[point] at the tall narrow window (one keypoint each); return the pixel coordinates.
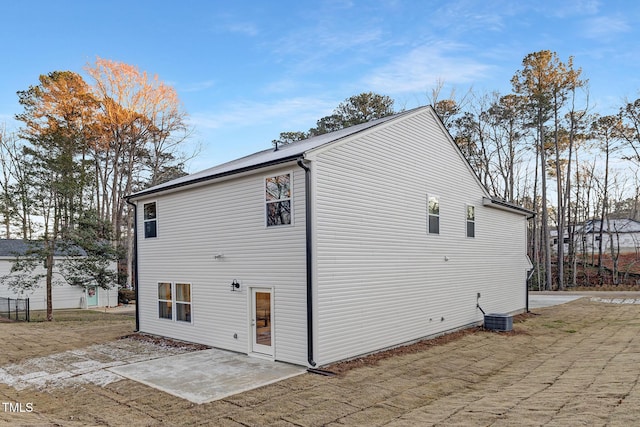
(471, 221)
(164, 301)
(278, 200)
(150, 220)
(433, 215)
(183, 302)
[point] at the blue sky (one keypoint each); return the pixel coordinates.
(247, 70)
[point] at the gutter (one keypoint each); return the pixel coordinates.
(206, 178)
(309, 253)
(505, 206)
(526, 283)
(135, 259)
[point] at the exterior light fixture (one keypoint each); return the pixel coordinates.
(235, 285)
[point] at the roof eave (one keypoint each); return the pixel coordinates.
(204, 179)
(506, 206)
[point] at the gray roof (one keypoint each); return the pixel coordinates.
(269, 157)
(619, 225)
(14, 247)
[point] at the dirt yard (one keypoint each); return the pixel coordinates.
(574, 364)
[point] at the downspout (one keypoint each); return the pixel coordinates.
(134, 264)
(308, 234)
(527, 286)
(533, 269)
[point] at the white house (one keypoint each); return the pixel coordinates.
(63, 295)
(329, 248)
(622, 233)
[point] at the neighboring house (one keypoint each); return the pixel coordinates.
(63, 295)
(329, 248)
(623, 233)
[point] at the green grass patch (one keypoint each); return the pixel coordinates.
(559, 324)
(78, 315)
(556, 324)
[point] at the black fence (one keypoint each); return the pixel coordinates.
(15, 308)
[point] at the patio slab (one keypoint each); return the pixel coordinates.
(207, 375)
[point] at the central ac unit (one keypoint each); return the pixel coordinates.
(498, 322)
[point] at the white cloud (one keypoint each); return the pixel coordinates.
(315, 45)
(605, 27)
(423, 66)
(289, 113)
(568, 8)
(197, 86)
(228, 22)
(244, 28)
(461, 16)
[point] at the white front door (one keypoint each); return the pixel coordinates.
(262, 321)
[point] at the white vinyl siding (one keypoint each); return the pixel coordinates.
(381, 280)
(212, 235)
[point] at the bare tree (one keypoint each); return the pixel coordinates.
(630, 115)
(546, 82)
(12, 166)
(141, 124)
(607, 131)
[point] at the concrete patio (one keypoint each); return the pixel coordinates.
(207, 375)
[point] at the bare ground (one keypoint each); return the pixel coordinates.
(573, 364)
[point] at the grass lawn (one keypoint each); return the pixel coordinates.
(77, 315)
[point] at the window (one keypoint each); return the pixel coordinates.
(176, 295)
(183, 302)
(278, 200)
(471, 221)
(150, 220)
(164, 301)
(433, 216)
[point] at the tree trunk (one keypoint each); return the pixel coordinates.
(535, 234)
(603, 215)
(545, 215)
(615, 252)
(560, 211)
(50, 251)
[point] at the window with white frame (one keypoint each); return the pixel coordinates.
(183, 302)
(176, 295)
(433, 215)
(471, 221)
(165, 302)
(150, 220)
(278, 200)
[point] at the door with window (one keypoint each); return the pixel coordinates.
(262, 321)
